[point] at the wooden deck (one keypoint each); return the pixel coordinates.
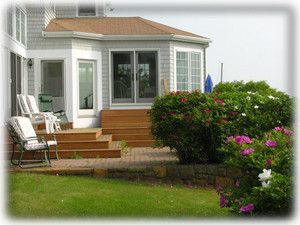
(88, 142)
(129, 125)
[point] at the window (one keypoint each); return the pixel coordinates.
(86, 9)
(188, 71)
(10, 21)
(86, 87)
(20, 26)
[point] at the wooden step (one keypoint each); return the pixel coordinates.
(125, 124)
(125, 118)
(100, 143)
(114, 151)
(124, 112)
(126, 130)
(75, 134)
(119, 137)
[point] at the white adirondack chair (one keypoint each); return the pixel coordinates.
(36, 117)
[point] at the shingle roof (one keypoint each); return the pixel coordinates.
(115, 26)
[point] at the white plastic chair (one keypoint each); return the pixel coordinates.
(29, 109)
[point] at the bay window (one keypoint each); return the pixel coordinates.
(188, 71)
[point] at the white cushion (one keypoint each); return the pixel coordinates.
(32, 104)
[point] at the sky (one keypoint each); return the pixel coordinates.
(254, 42)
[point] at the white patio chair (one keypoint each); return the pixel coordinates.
(36, 117)
(54, 121)
(24, 137)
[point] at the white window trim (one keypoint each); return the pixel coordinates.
(135, 105)
(14, 11)
(189, 50)
(88, 112)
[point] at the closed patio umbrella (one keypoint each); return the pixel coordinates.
(208, 85)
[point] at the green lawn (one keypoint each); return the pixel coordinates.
(36, 195)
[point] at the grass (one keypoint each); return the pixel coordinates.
(45, 196)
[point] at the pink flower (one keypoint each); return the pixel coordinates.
(288, 131)
(228, 138)
(178, 92)
(188, 95)
(175, 136)
(37, 180)
(218, 93)
(207, 111)
(271, 143)
(220, 101)
(164, 116)
(218, 188)
(269, 162)
(224, 120)
(172, 114)
(197, 91)
(183, 100)
(187, 119)
(222, 201)
(171, 93)
(237, 183)
(213, 98)
(165, 185)
(218, 123)
(158, 201)
(200, 111)
(182, 208)
(247, 208)
(182, 116)
(57, 174)
(278, 128)
(246, 152)
(207, 123)
(233, 113)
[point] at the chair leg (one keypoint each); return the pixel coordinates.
(13, 155)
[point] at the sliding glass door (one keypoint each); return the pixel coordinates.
(134, 77)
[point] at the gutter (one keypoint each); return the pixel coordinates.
(135, 37)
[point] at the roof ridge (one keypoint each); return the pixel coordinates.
(145, 21)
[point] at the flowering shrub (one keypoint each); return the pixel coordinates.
(253, 113)
(266, 165)
(192, 124)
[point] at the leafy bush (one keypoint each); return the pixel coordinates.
(260, 87)
(266, 166)
(255, 113)
(192, 124)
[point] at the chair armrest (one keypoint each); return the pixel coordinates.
(49, 135)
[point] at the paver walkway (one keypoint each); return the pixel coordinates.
(137, 157)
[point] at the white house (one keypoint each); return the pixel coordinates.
(90, 62)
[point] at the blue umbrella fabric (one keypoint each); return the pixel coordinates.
(208, 85)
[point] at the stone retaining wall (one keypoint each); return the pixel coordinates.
(213, 174)
(180, 174)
